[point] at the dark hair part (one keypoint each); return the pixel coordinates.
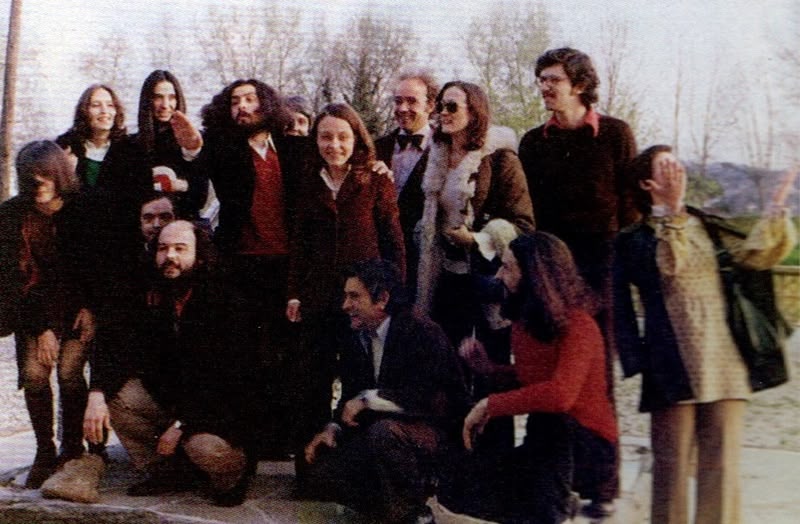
(80, 123)
(426, 77)
(217, 113)
(578, 67)
(363, 149)
(640, 168)
(479, 115)
(147, 121)
(45, 159)
(380, 276)
(550, 286)
(152, 196)
(299, 104)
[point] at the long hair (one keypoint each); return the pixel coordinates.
(80, 123)
(363, 149)
(147, 121)
(641, 169)
(578, 67)
(550, 286)
(217, 114)
(45, 159)
(479, 115)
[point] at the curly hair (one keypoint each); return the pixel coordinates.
(276, 116)
(578, 67)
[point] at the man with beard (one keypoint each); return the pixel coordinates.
(167, 143)
(253, 166)
(180, 390)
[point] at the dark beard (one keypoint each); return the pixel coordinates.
(176, 287)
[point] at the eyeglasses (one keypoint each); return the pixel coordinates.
(450, 107)
(550, 80)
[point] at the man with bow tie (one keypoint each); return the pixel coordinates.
(405, 151)
(402, 401)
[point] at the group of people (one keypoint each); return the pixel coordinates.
(446, 280)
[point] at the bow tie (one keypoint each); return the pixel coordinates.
(404, 140)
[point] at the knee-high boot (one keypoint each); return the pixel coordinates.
(40, 409)
(73, 406)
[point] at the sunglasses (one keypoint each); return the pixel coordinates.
(450, 107)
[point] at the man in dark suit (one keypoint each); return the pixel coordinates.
(402, 403)
(405, 151)
(253, 167)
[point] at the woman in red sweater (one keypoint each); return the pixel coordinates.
(557, 379)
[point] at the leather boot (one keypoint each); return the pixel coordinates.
(40, 409)
(73, 406)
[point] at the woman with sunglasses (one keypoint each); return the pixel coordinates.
(347, 213)
(42, 301)
(469, 180)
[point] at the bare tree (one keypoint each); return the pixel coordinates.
(237, 43)
(9, 93)
(110, 64)
(619, 96)
(367, 55)
(713, 119)
(502, 47)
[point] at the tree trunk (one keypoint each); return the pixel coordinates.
(9, 94)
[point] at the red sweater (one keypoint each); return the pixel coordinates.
(563, 376)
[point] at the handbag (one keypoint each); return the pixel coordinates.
(758, 327)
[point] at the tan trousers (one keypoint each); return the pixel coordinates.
(717, 428)
(139, 421)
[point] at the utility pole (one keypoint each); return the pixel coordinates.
(9, 95)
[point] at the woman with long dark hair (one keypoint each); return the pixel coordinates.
(558, 379)
(42, 300)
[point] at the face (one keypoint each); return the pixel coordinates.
(335, 140)
(510, 273)
(300, 125)
(364, 313)
(154, 216)
(165, 101)
(411, 105)
(557, 91)
(101, 111)
(176, 250)
(245, 106)
(454, 114)
(45, 190)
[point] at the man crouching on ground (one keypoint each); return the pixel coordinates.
(179, 388)
(402, 394)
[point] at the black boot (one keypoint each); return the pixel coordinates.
(73, 406)
(40, 409)
(174, 475)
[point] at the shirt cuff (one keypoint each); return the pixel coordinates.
(373, 401)
(190, 154)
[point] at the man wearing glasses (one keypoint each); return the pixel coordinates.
(575, 167)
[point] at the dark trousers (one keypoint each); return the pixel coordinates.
(527, 484)
(593, 254)
(384, 470)
(261, 281)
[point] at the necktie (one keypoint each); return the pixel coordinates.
(404, 140)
